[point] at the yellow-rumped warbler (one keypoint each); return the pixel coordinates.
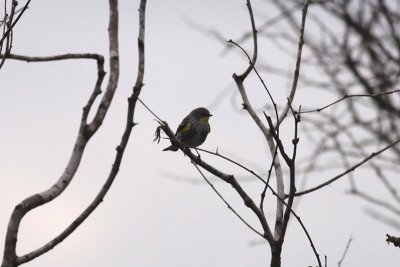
(193, 130)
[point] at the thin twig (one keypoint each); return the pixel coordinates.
(10, 24)
(345, 251)
(277, 140)
(376, 201)
(158, 118)
(240, 79)
(5, 35)
(226, 202)
(268, 179)
(234, 162)
(267, 24)
(252, 61)
(374, 154)
(350, 96)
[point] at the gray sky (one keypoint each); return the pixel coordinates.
(159, 212)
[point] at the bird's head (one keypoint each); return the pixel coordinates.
(201, 114)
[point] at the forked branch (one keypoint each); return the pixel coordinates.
(118, 158)
(10, 258)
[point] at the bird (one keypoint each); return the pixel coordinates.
(193, 129)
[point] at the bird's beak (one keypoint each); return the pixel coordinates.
(209, 115)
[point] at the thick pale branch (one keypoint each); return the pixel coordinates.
(114, 70)
(10, 258)
(120, 152)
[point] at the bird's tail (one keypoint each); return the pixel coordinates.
(171, 148)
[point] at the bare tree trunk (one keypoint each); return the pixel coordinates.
(276, 255)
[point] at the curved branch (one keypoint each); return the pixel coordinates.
(120, 152)
(252, 61)
(10, 258)
(100, 73)
(114, 70)
(298, 62)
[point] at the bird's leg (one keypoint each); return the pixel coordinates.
(198, 154)
(185, 148)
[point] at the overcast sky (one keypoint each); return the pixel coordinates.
(159, 211)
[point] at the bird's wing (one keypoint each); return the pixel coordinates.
(184, 126)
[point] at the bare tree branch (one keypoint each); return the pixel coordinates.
(345, 251)
(120, 151)
(100, 73)
(239, 79)
(226, 202)
(351, 96)
(9, 24)
(225, 177)
(252, 173)
(374, 154)
(298, 62)
(10, 258)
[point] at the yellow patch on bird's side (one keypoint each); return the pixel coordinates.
(185, 128)
(204, 119)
